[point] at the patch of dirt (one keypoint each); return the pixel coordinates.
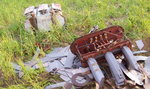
(147, 44)
(80, 33)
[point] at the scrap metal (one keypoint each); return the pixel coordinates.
(140, 52)
(99, 43)
(147, 66)
(95, 44)
(130, 58)
(96, 71)
(95, 28)
(107, 45)
(80, 63)
(131, 75)
(115, 69)
(43, 17)
(139, 44)
(80, 84)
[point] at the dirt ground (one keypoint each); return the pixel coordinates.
(147, 45)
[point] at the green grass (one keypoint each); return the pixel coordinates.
(17, 45)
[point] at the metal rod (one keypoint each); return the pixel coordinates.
(96, 71)
(115, 69)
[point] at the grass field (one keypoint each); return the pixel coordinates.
(17, 45)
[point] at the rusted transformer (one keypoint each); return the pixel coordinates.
(95, 45)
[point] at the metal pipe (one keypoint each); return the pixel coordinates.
(130, 58)
(96, 71)
(115, 69)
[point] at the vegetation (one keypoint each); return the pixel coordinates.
(17, 45)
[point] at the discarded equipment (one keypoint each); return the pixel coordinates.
(43, 17)
(96, 44)
(104, 44)
(107, 45)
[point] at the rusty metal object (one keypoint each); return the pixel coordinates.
(43, 17)
(78, 84)
(98, 43)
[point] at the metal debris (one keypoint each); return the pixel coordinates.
(139, 44)
(78, 64)
(140, 52)
(141, 58)
(57, 62)
(147, 66)
(95, 28)
(29, 11)
(67, 74)
(69, 60)
(131, 75)
(115, 69)
(130, 58)
(96, 44)
(34, 58)
(147, 83)
(16, 67)
(96, 71)
(43, 17)
(44, 22)
(100, 43)
(76, 79)
(105, 43)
